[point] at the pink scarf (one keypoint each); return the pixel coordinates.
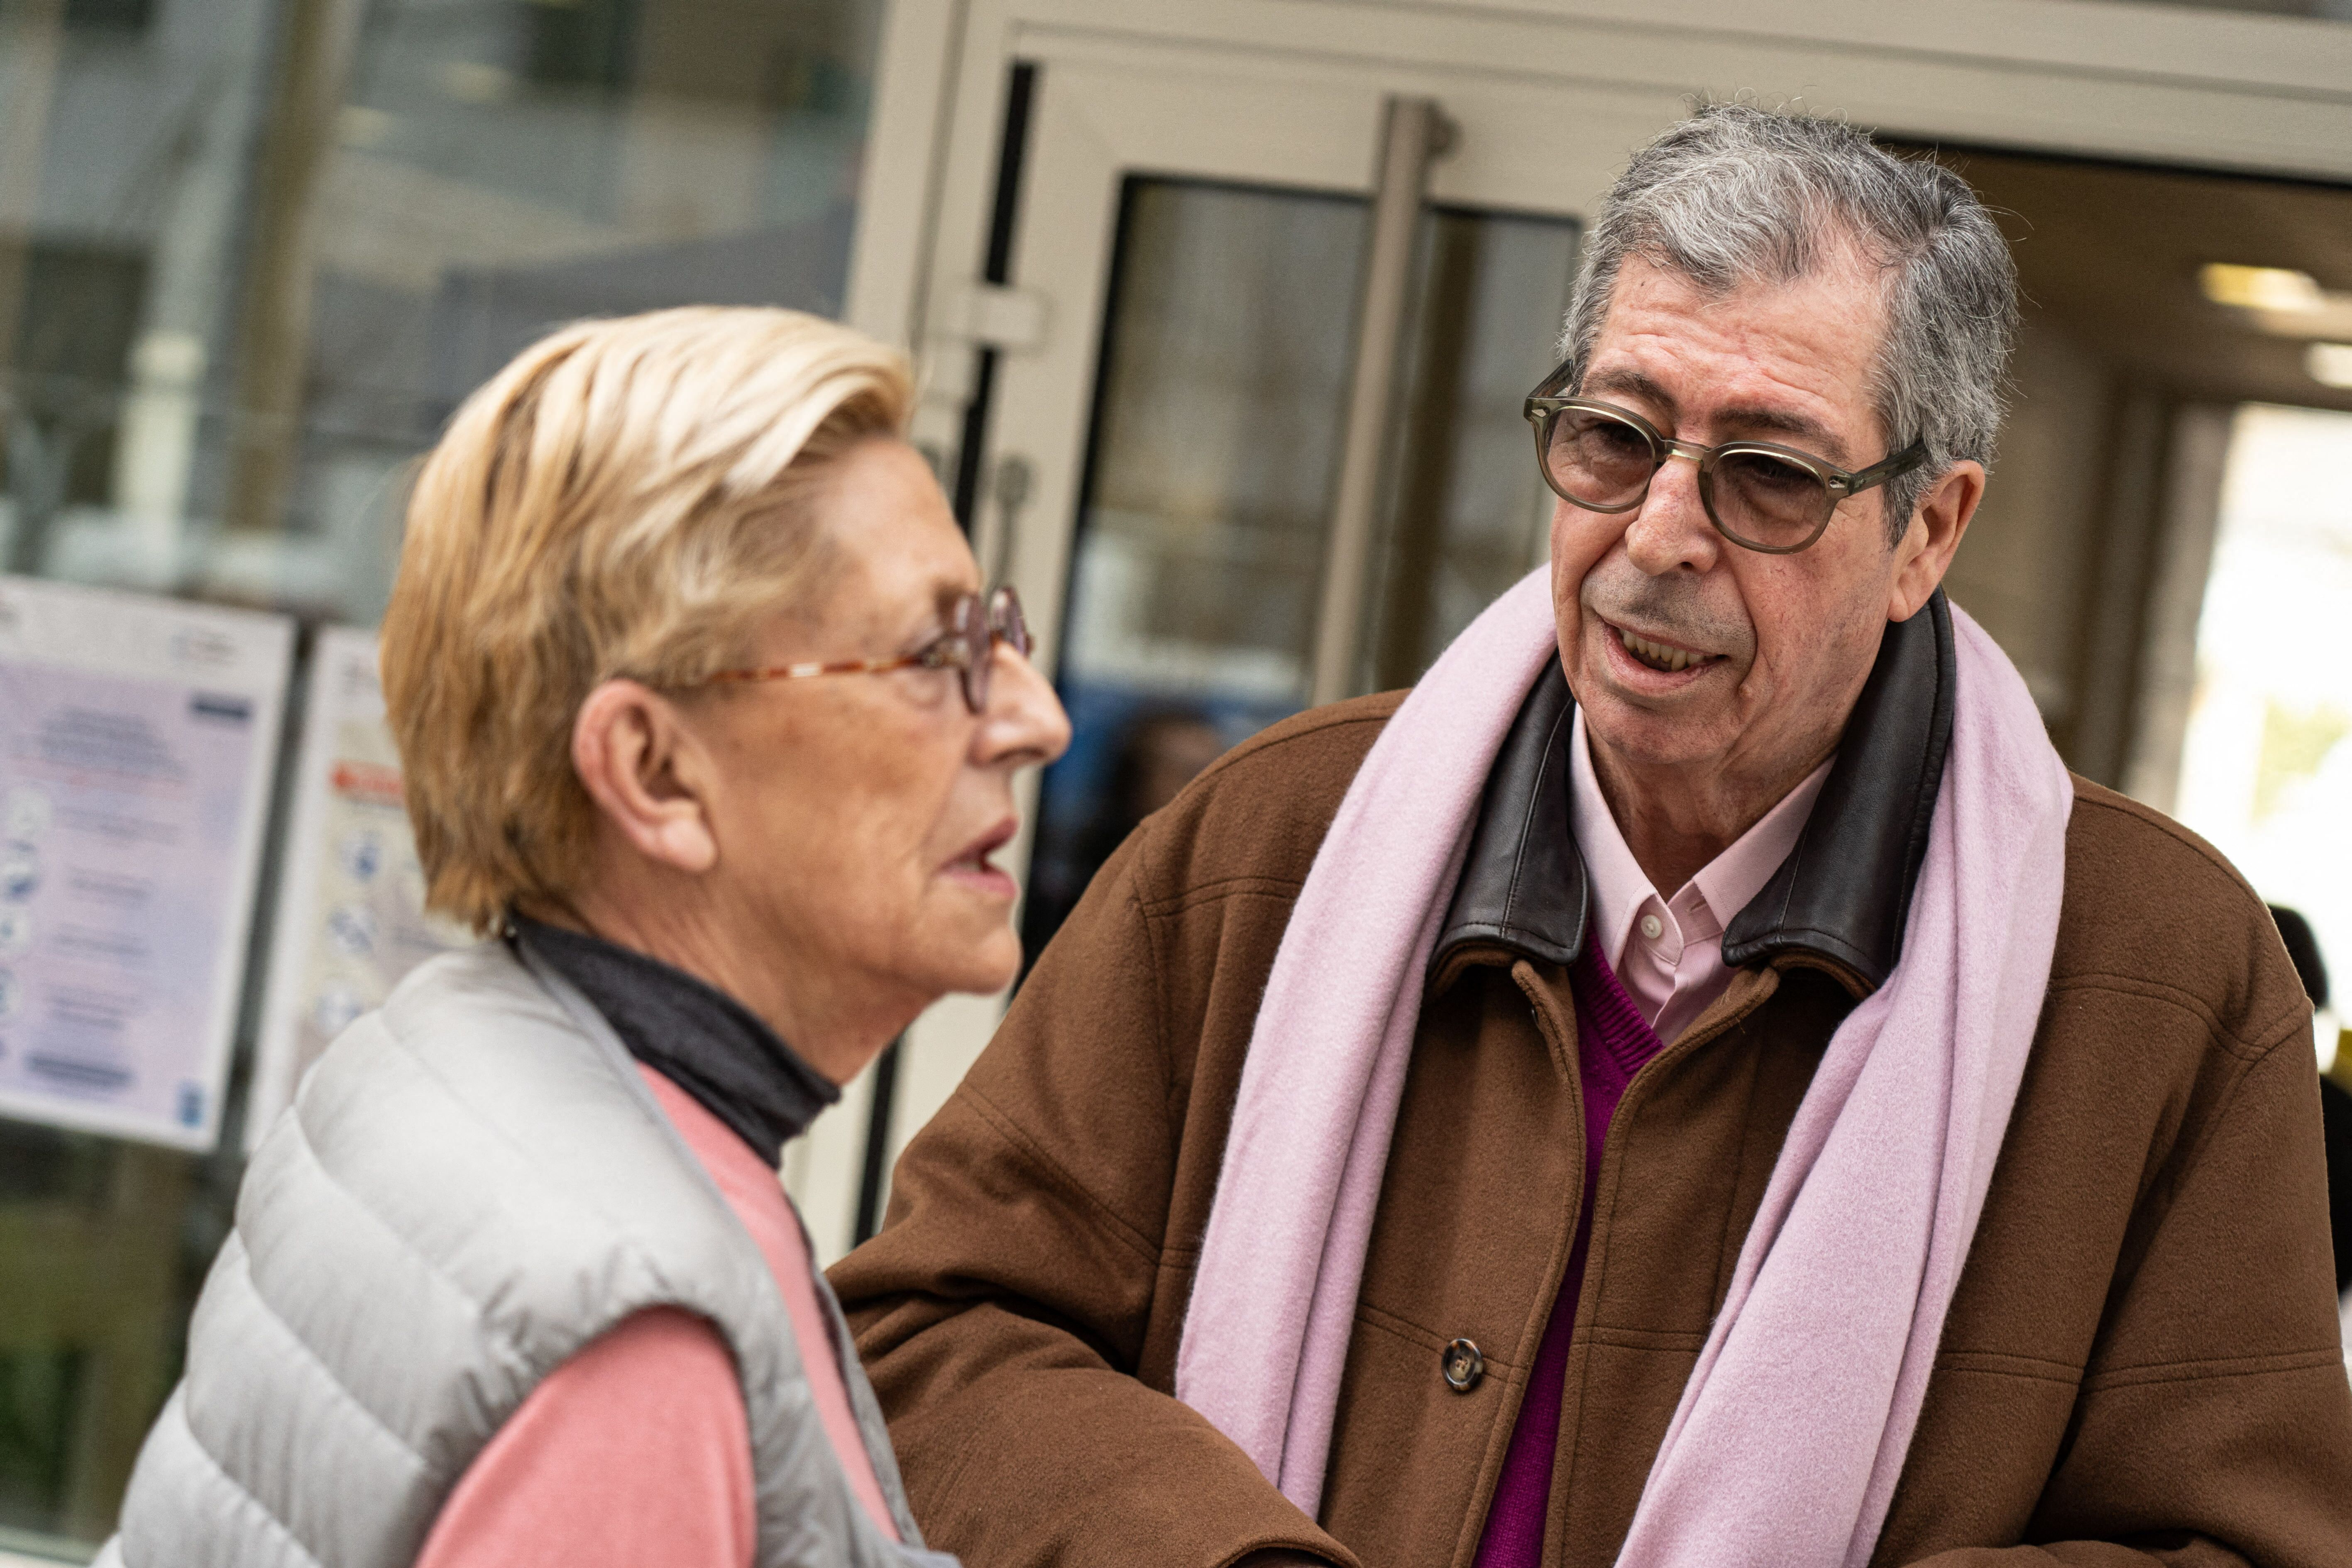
(1793, 1427)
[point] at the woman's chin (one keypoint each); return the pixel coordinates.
(978, 963)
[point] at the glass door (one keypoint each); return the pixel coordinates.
(1194, 243)
(1202, 541)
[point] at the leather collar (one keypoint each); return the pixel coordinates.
(1843, 894)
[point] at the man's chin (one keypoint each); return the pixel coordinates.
(1685, 696)
(1682, 729)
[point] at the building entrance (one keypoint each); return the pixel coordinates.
(1225, 346)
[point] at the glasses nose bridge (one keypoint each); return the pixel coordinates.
(1668, 449)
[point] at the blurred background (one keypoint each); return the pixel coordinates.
(1224, 313)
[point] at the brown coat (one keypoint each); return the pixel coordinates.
(2141, 1364)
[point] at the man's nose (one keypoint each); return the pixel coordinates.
(1024, 723)
(1670, 530)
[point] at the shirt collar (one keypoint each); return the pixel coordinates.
(1840, 896)
(1722, 888)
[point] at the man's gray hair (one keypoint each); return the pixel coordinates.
(1737, 193)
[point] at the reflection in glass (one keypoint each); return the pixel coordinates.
(252, 253)
(265, 249)
(1200, 548)
(1201, 533)
(1467, 512)
(1224, 386)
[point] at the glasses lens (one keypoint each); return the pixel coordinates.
(1003, 623)
(1006, 623)
(968, 633)
(1765, 500)
(1598, 461)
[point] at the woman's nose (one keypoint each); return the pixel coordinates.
(1024, 723)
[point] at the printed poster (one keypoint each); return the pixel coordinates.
(138, 737)
(351, 914)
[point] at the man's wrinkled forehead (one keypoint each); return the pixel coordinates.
(1850, 275)
(1787, 359)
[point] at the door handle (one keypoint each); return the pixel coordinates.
(1010, 488)
(1416, 133)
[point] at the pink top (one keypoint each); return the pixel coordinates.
(1668, 953)
(638, 1449)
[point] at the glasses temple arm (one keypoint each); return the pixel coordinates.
(1878, 473)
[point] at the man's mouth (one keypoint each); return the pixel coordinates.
(1658, 655)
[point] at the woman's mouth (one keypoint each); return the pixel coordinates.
(974, 868)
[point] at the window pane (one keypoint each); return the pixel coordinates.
(2267, 770)
(1467, 512)
(251, 255)
(1201, 539)
(270, 250)
(1199, 549)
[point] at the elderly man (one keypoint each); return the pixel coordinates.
(1694, 1083)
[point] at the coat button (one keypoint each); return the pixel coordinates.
(1463, 1365)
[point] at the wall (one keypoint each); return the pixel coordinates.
(2021, 570)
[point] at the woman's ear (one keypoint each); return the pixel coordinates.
(628, 745)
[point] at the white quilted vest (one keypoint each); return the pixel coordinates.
(473, 1184)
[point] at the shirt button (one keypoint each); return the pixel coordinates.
(1463, 1365)
(1652, 927)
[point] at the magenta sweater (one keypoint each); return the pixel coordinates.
(1612, 1044)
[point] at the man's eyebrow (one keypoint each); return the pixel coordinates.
(1629, 382)
(1812, 435)
(1740, 419)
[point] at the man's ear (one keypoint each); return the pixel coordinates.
(626, 747)
(1925, 553)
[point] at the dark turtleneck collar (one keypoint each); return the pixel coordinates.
(1843, 893)
(694, 1035)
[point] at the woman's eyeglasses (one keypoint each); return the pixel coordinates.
(1760, 495)
(967, 647)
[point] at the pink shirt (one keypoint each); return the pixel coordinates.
(1668, 951)
(638, 1449)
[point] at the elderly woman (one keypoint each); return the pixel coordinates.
(708, 724)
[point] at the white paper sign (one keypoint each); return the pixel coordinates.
(351, 910)
(138, 737)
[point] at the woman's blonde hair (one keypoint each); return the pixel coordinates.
(628, 498)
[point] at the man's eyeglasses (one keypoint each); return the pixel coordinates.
(1758, 494)
(967, 647)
